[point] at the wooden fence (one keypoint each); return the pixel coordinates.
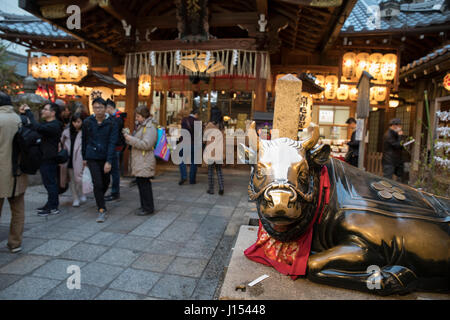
(374, 163)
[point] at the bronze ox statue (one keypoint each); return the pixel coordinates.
(369, 221)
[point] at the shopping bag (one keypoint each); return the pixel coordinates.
(162, 148)
(87, 181)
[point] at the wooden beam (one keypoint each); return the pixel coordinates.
(131, 102)
(214, 44)
(262, 7)
(117, 11)
(314, 3)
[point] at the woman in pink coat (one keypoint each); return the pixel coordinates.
(73, 169)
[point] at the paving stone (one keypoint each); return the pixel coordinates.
(104, 238)
(135, 243)
(153, 262)
(6, 257)
(46, 232)
(77, 235)
(24, 265)
(119, 257)
(136, 281)
(56, 269)
(228, 201)
(164, 247)
(28, 288)
(200, 248)
(221, 211)
(212, 227)
(205, 288)
(179, 231)
(84, 252)
(53, 247)
(174, 287)
(117, 295)
(62, 292)
(187, 267)
(7, 279)
(29, 244)
(126, 224)
(99, 274)
(151, 228)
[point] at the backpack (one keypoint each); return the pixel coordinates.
(27, 154)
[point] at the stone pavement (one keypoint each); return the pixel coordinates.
(179, 252)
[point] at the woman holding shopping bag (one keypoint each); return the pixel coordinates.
(143, 161)
(73, 168)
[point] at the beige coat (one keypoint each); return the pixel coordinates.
(143, 142)
(77, 159)
(9, 124)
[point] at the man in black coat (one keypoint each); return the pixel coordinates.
(188, 124)
(353, 146)
(50, 131)
(392, 150)
(98, 150)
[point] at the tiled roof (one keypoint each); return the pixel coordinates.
(360, 19)
(29, 25)
(435, 54)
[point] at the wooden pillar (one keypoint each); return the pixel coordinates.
(260, 100)
(163, 109)
(131, 102)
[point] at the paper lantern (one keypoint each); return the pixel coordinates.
(331, 83)
(372, 95)
(43, 66)
(70, 89)
(305, 111)
(34, 67)
(353, 93)
(74, 70)
(84, 65)
(446, 82)
(375, 62)
(348, 65)
(320, 81)
(389, 66)
(64, 67)
(393, 103)
(380, 94)
(144, 85)
(53, 67)
(362, 63)
(60, 89)
(342, 92)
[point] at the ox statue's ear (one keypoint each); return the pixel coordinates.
(320, 155)
(246, 154)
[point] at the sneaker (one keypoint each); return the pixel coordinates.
(83, 199)
(54, 211)
(112, 197)
(76, 203)
(44, 208)
(101, 215)
(43, 213)
(15, 250)
(181, 182)
(142, 212)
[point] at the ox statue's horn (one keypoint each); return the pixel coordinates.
(313, 139)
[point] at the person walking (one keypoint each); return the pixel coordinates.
(143, 160)
(99, 137)
(115, 169)
(73, 168)
(353, 146)
(392, 150)
(9, 125)
(187, 123)
(214, 150)
(50, 130)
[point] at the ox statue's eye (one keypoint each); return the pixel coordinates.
(302, 175)
(259, 173)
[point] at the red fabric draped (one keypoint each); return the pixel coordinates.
(289, 258)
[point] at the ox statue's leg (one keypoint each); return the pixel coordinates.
(354, 266)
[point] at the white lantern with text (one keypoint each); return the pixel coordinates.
(53, 67)
(389, 66)
(331, 83)
(74, 70)
(342, 92)
(375, 65)
(362, 63)
(348, 65)
(34, 67)
(353, 93)
(64, 67)
(43, 66)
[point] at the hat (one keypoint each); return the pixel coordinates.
(395, 121)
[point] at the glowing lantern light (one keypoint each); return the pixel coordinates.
(393, 103)
(74, 70)
(362, 63)
(34, 67)
(353, 94)
(446, 82)
(342, 92)
(348, 65)
(144, 85)
(389, 66)
(60, 89)
(84, 65)
(331, 83)
(70, 89)
(320, 81)
(44, 69)
(380, 94)
(375, 61)
(64, 67)
(53, 67)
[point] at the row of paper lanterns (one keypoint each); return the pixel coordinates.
(59, 68)
(381, 67)
(144, 87)
(345, 92)
(68, 89)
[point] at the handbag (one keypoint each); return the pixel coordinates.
(162, 150)
(62, 156)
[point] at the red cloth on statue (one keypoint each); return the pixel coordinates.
(289, 258)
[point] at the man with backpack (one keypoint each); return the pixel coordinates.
(11, 187)
(50, 130)
(99, 137)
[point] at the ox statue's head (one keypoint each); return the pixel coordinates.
(285, 181)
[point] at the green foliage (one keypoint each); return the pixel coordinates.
(10, 83)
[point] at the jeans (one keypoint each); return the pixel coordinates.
(115, 174)
(192, 171)
(49, 179)
(218, 168)
(145, 193)
(17, 205)
(100, 180)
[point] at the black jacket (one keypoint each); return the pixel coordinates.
(353, 145)
(392, 149)
(51, 135)
(99, 140)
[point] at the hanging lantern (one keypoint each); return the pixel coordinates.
(389, 66)
(70, 89)
(320, 81)
(353, 93)
(446, 82)
(74, 70)
(34, 67)
(380, 94)
(84, 65)
(342, 92)
(53, 67)
(362, 63)
(375, 62)
(64, 67)
(144, 85)
(60, 89)
(393, 103)
(331, 83)
(348, 65)
(372, 95)
(305, 111)
(43, 66)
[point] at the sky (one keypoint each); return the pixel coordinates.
(12, 6)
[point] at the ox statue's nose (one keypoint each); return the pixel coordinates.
(280, 198)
